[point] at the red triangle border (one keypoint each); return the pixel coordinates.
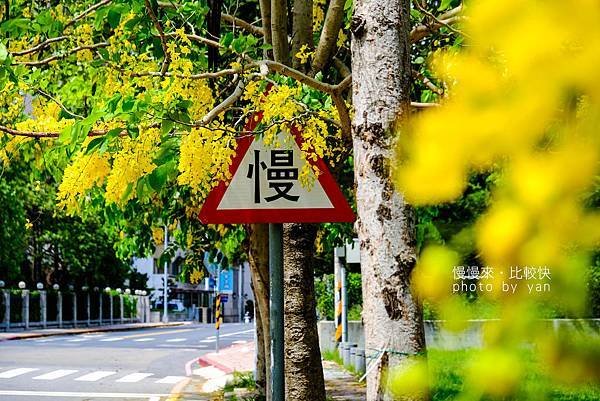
(341, 211)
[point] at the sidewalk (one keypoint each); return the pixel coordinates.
(20, 335)
(214, 370)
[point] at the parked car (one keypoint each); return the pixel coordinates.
(174, 305)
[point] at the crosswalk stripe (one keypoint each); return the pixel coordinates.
(112, 339)
(208, 341)
(9, 374)
(141, 340)
(57, 374)
(134, 377)
(170, 379)
(95, 376)
(176, 340)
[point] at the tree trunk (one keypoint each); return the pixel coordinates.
(303, 369)
(386, 227)
(261, 361)
(259, 266)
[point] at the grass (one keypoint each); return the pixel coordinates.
(240, 380)
(446, 368)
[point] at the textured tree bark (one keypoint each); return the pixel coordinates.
(303, 369)
(302, 27)
(327, 41)
(258, 252)
(279, 31)
(261, 362)
(386, 227)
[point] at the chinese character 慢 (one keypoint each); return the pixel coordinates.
(281, 175)
(459, 273)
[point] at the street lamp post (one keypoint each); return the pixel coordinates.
(165, 277)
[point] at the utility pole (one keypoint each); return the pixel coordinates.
(165, 277)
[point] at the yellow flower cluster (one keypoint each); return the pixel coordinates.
(519, 106)
(11, 147)
(45, 118)
(196, 276)
(82, 36)
(205, 158)
(11, 102)
(83, 174)
(304, 54)
(132, 162)
(318, 14)
(158, 235)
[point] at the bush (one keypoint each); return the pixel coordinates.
(324, 289)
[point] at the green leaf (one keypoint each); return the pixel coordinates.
(419, 60)
(227, 39)
(158, 178)
(114, 18)
(94, 144)
(3, 52)
(127, 192)
(166, 126)
(444, 5)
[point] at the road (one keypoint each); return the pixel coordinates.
(143, 364)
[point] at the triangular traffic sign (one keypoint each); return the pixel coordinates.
(264, 187)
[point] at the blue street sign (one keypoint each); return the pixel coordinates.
(226, 281)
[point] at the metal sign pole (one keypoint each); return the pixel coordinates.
(217, 310)
(276, 312)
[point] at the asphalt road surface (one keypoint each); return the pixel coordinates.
(144, 364)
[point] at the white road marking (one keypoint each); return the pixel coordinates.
(80, 394)
(154, 399)
(57, 374)
(9, 374)
(112, 339)
(47, 340)
(95, 376)
(239, 342)
(176, 340)
(134, 377)
(141, 340)
(207, 341)
(170, 379)
(77, 340)
(236, 333)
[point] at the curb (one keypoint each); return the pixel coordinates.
(203, 361)
(25, 335)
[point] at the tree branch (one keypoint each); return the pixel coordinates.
(248, 27)
(225, 104)
(341, 67)
(61, 56)
(161, 34)
(39, 46)
(265, 16)
(427, 82)
(303, 34)
(196, 38)
(49, 134)
(62, 106)
(329, 34)
(345, 120)
(283, 69)
(421, 31)
(419, 105)
(87, 12)
(279, 31)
